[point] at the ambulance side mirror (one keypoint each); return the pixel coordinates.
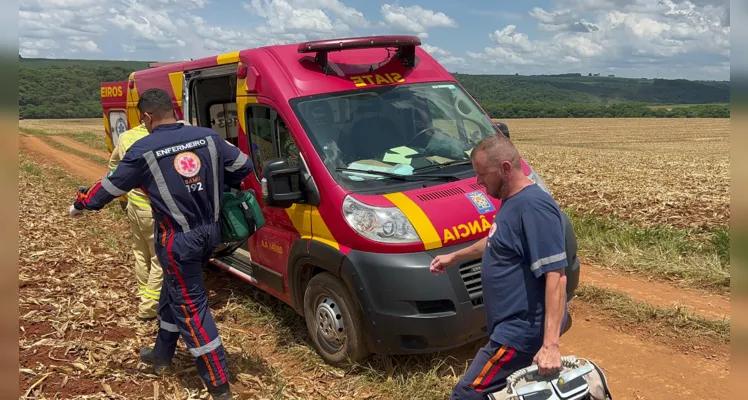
(283, 184)
(504, 128)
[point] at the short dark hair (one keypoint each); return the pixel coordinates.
(157, 102)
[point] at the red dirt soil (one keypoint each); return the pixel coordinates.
(658, 294)
(639, 369)
(41, 151)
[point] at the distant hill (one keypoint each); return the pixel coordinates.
(51, 88)
(559, 90)
(64, 88)
(47, 62)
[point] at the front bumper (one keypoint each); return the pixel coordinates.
(406, 309)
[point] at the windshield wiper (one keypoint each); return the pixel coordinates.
(407, 178)
(446, 164)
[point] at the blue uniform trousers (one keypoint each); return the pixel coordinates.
(489, 370)
(183, 305)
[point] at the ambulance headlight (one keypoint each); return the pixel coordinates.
(381, 224)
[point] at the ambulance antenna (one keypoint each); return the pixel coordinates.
(267, 19)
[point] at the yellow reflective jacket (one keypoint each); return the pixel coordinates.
(135, 197)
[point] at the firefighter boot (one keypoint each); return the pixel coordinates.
(147, 357)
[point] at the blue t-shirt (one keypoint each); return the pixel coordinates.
(526, 240)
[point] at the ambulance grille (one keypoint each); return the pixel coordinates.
(471, 277)
(440, 194)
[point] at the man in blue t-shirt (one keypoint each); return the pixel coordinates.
(523, 273)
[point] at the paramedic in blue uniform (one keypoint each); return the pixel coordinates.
(182, 170)
(523, 273)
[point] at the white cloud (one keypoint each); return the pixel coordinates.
(290, 21)
(86, 45)
(628, 34)
(155, 26)
(348, 15)
(433, 50)
(69, 25)
(506, 37)
(206, 39)
(610, 36)
(415, 19)
(33, 48)
(561, 20)
(443, 56)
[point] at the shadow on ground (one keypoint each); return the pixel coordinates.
(290, 332)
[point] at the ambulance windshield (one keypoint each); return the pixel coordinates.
(404, 129)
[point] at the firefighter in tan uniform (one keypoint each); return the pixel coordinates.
(148, 270)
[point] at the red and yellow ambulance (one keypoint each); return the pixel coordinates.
(361, 149)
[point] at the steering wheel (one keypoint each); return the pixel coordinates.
(430, 128)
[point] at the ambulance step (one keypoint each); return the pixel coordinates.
(240, 263)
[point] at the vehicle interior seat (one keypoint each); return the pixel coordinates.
(370, 136)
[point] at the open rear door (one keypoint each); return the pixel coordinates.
(114, 106)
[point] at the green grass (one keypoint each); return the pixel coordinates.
(30, 168)
(82, 154)
(694, 258)
(671, 321)
(93, 140)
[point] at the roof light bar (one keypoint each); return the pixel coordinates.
(365, 42)
(406, 47)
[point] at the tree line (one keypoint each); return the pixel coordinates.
(620, 110)
(564, 90)
(63, 89)
(64, 92)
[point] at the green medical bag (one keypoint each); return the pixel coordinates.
(241, 216)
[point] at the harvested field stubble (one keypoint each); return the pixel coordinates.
(65, 126)
(674, 172)
(79, 337)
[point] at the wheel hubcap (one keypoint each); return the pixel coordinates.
(330, 322)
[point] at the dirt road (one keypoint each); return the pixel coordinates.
(659, 294)
(74, 144)
(642, 370)
(638, 368)
(46, 153)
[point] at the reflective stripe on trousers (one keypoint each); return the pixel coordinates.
(148, 271)
(184, 302)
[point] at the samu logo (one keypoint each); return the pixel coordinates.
(187, 164)
(120, 126)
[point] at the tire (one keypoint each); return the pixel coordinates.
(568, 325)
(329, 308)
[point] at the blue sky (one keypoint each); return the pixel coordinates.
(636, 38)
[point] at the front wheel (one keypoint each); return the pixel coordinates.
(333, 321)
